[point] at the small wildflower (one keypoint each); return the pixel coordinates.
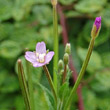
(40, 57)
(96, 27)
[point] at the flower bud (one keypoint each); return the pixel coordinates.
(96, 27)
(68, 48)
(66, 58)
(60, 64)
(62, 71)
(54, 2)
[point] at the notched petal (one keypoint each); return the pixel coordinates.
(41, 47)
(37, 64)
(49, 57)
(30, 56)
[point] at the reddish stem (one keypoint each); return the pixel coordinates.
(64, 74)
(71, 63)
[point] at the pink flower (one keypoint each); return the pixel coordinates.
(39, 57)
(97, 22)
(96, 27)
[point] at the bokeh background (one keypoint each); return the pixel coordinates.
(25, 22)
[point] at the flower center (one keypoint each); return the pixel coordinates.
(40, 57)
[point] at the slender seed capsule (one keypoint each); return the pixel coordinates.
(68, 48)
(96, 27)
(66, 58)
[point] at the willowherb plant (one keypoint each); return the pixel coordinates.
(62, 93)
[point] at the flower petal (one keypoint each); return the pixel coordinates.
(30, 56)
(49, 57)
(98, 22)
(40, 48)
(37, 64)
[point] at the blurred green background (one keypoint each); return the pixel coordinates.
(25, 22)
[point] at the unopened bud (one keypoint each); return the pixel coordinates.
(47, 51)
(96, 27)
(62, 71)
(54, 2)
(60, 64)
(66, 58)
(68, 48)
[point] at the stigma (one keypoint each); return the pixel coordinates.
(40, 57)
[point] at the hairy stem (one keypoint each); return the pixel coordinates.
(64, 73)
(84, 66)
(50, 81)
(56, 46)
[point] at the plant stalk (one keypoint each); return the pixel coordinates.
(23, 85)
(56, 46)
(64, 73)
(82, 71)
(50, 81)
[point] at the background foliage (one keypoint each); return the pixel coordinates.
(25, 22)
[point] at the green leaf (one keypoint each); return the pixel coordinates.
(48, 96)
(10, 84)
(102, 81)
(27, 37)
(89, 98)
(105, 56)
(19, 103)
(5, 30)
(18, 13)
(95, 60)
(46, 34)
(42, 17)
(6, 7)
(9, 49)
(63, 91)
(77, 62)
(70, 14)
(105, 14)
(66, 2)
(42, 1)
(3, 75)
(103, 104)
(43, 98)
(22, 9)
(90, 6)
(6, 101)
